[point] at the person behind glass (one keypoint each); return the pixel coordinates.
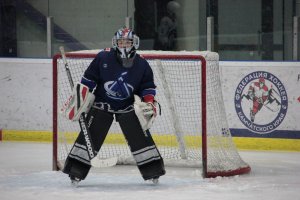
(166, 35)
(122, 86)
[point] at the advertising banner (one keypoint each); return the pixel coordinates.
(262, 99)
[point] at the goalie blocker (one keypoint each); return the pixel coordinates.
(142, 146)
(79, 102)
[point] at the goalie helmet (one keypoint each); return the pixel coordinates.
(125, 42)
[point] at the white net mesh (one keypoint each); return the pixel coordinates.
(178, 130)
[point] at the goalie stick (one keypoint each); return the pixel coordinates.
(95, 161)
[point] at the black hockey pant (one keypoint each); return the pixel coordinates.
(142, 146)
(78, 161)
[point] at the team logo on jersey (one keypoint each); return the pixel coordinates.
(118, 89)
(261, 102)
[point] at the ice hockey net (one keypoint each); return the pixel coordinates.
(192, 129)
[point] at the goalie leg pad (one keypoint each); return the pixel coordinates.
(99, 124)
(76, 168)
(142, 146)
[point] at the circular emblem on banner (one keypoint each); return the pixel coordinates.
(261, 102)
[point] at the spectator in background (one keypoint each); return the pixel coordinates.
(166, 35)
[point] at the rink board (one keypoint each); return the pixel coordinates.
(242, 143)
(18, 125)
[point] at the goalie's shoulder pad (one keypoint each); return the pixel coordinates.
(79, 102)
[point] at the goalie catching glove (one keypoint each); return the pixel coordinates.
(145, 111)
(79, 102)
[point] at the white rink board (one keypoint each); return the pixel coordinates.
(26, 94)
(26, 91)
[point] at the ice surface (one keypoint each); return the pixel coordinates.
(26, 174)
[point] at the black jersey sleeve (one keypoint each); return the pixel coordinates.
(147, 84)
(91, 75)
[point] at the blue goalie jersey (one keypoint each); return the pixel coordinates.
(115, 85)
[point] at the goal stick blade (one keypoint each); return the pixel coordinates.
(108, 162)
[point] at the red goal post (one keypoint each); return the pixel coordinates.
(192, 129)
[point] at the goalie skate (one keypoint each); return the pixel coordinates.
(74, 181)
(155, 180)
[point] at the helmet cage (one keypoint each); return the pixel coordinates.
(127, 51)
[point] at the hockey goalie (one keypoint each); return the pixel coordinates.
(117, 84)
